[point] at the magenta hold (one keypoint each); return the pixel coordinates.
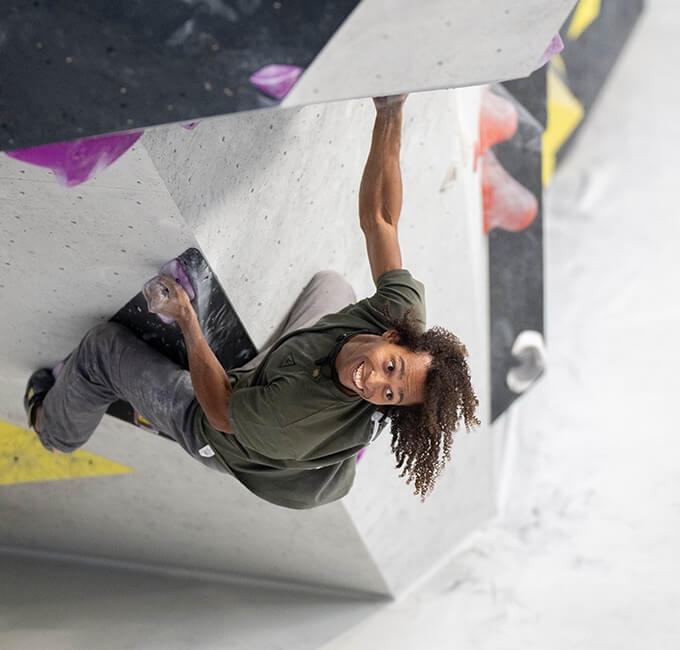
(276, 80)
(554, 48)
(77, 161)
(175, 269)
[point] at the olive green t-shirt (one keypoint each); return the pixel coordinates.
(296, 434)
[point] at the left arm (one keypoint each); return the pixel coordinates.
(380, 193)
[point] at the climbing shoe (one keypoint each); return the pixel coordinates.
(39, 383)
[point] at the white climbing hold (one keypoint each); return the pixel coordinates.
(530, 351)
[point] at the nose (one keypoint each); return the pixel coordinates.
(374, 380)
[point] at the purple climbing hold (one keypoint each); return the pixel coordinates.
(155, 293)
(360, 453)
(77, 161)
(176, 270)
(190, 126)
(555, 47)
(276, 80)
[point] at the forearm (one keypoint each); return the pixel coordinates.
(380, 193)
(211, 384)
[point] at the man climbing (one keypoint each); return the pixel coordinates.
(289, 424)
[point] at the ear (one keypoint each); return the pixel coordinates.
(391, 336)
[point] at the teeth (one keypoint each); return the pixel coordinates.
(357, 376)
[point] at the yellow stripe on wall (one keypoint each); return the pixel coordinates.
(23, 459)
(564, 114)
(557, 62)
(586, 12)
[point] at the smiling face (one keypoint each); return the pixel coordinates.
(382, 372)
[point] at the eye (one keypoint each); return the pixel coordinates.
(390, 366)
(389, 395)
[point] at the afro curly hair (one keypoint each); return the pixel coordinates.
(422, 435)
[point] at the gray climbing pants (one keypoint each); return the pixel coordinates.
(111, 363)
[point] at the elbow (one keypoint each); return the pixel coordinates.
(370, 217)
(369, 225)
(376, 223)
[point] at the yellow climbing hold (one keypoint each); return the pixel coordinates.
(564, 114)
(586, 12)
(23, 459)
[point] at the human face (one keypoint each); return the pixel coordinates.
(382, 372)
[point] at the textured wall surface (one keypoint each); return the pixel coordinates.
(96, 67)
(273, 200)
(73, 257)
(269, 207)
(87, 67)
(389, 46)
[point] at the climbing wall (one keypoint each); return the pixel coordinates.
(269, 197)
(595, 35)
(526, 126)
(93, 66)
(512, 123)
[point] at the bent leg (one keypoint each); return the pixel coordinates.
(326, 293)
(111, 363)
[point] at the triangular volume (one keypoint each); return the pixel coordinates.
(288, 361)
(23, 460)
(216, 315)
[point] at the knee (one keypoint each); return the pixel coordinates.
(102, 336)
(335, 283)
(328, 276)
(105, 332)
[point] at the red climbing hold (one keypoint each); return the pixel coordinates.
(497, 122)
(506, 203)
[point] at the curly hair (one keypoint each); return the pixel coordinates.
(422, 435)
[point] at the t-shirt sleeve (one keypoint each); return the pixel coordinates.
(253, 414)
(400, 291)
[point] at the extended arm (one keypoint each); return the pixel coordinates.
(380, 193)
(211, 384)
